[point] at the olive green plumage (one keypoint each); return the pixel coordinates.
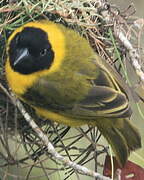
(68, 83)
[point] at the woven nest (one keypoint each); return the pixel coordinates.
(22, 154)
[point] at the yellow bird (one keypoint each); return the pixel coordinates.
(54, 69)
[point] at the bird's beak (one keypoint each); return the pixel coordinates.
(22, 54)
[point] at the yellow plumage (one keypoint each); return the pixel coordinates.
(54, 69)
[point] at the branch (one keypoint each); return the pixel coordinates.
(110, 17)
(51, 149)
(80, 169)
(134, 56)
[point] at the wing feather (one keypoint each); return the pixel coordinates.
(106, 97)
(105, 102)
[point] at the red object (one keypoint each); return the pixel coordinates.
(130, 171)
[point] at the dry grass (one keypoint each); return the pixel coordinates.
(20, 148)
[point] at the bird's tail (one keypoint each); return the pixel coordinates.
(122, 136)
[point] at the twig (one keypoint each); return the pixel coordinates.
(50, 148)
(134, 55)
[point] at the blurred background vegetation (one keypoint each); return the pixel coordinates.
(21, 153)
(139, 5)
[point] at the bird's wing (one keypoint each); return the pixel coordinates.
(107, 95)
(102, 101)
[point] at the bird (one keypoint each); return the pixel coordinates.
(55, 70)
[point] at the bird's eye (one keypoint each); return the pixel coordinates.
(17, 39)
(43, 52)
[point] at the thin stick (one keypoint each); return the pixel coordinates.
(81, 169)
(50, 148)
(134, 55)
